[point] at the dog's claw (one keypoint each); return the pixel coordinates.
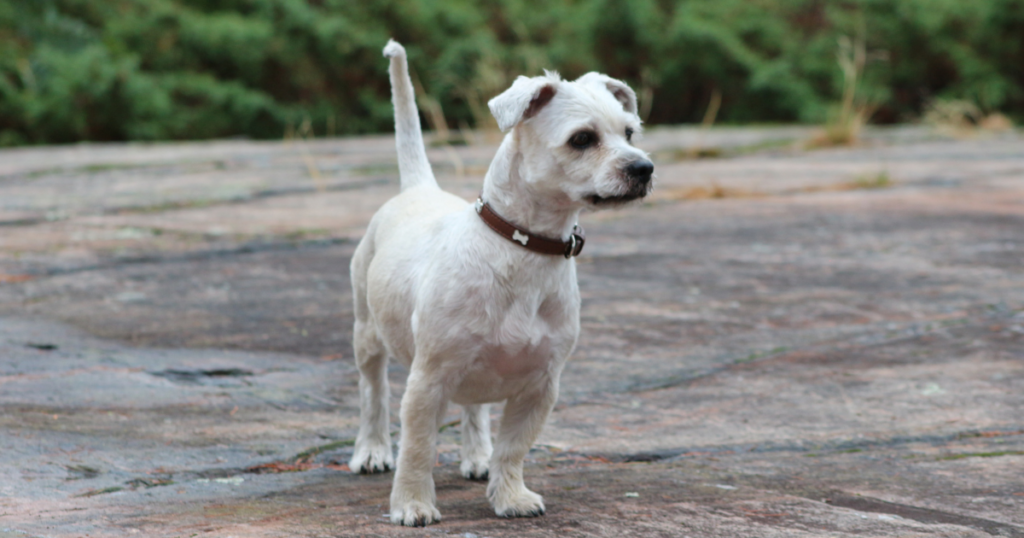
(369, 459)
(373, 468)
(415, 514)
(531, 513)
(476, 474)
(475, 470)
(524, 504)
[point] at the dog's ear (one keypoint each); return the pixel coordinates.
(523, 100)
(623, 93)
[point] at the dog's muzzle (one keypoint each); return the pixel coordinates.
(637, 178)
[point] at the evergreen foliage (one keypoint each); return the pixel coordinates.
(74, 70)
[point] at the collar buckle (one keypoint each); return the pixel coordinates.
(574, 246)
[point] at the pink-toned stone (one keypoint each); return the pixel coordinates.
(777, 343)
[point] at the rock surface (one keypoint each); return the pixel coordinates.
(778, 342)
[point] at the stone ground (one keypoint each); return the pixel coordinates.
(779, 342)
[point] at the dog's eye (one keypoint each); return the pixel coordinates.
(629, 134)
(582, 140)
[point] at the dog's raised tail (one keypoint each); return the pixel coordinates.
(412, 155)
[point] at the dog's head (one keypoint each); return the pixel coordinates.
(577, 137)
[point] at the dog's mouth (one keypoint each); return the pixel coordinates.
(635, 193)
(612, 200)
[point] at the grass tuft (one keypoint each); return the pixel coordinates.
(982, 455)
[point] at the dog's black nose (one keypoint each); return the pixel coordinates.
(641, 170)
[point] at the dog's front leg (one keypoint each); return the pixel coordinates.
(521, 423)
(423, 407)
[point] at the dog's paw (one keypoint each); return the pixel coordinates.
(369, 459)
(474, 469)
(415, 514)
(523, 503)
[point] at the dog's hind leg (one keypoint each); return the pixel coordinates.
(476, 441)
(373, 444)
(521, 423)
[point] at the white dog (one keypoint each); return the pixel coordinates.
(480, 301)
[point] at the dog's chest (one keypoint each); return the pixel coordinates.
(525, 345)
(521, 346)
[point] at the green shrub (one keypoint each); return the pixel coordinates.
(75, 70)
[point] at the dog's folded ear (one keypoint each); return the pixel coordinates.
(523, 100)
(623, 93)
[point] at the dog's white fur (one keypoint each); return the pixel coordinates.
(476, 318)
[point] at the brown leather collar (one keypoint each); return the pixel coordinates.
(523, 238)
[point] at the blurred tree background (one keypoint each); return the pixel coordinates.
(73, 70)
